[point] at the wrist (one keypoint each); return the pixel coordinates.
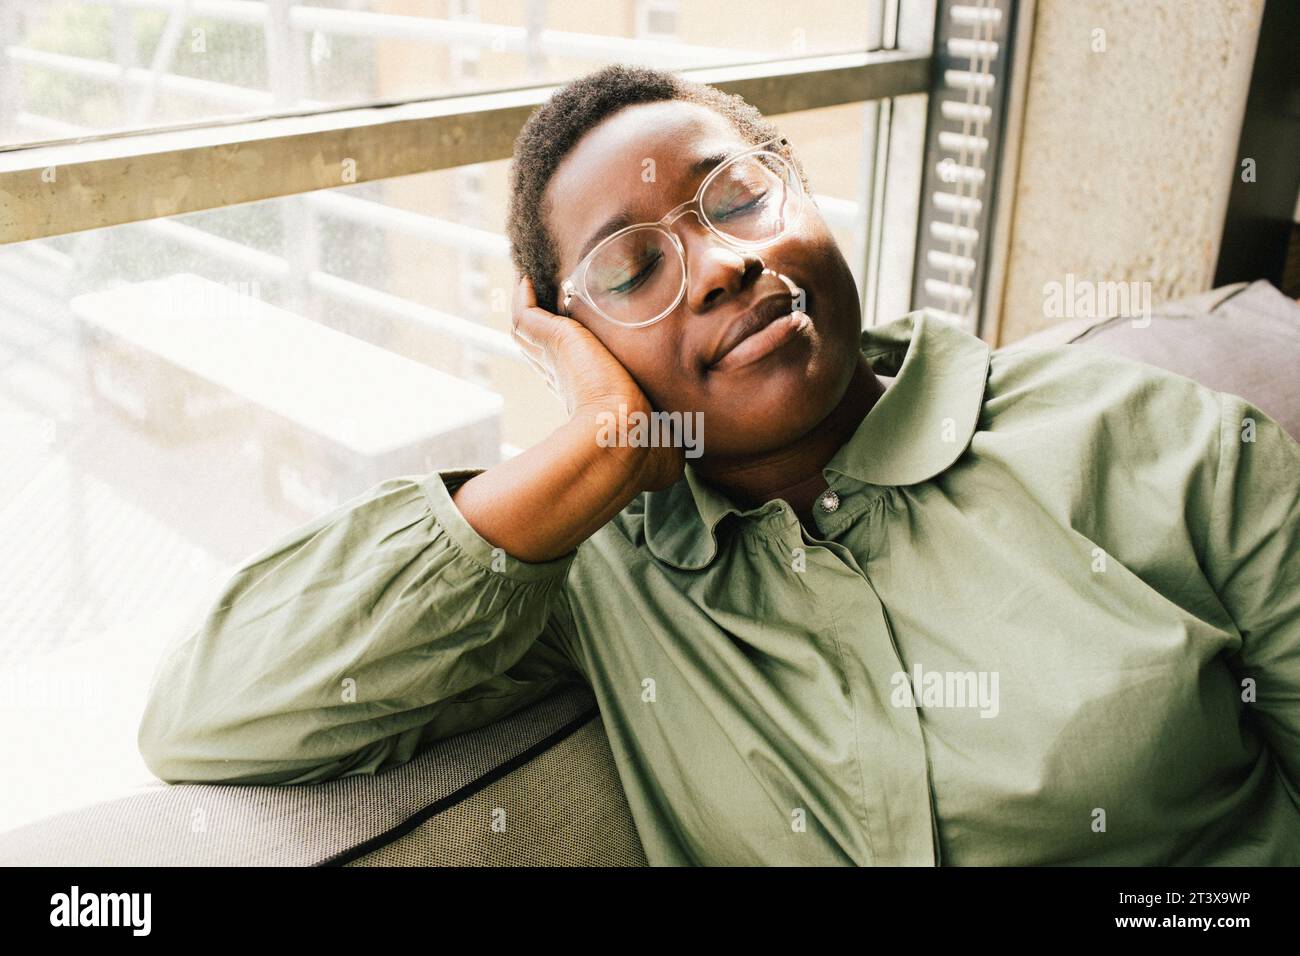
(616, 405)
(624, 436)
(614, 444)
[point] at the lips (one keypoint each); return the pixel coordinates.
(755, 320)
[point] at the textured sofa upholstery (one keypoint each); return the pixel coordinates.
(536, 789)
(542, 787)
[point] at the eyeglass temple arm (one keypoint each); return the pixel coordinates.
(567, 288)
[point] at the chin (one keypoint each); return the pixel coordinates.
(762, 413)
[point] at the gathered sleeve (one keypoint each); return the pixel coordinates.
(1253, 558)
(380, 626)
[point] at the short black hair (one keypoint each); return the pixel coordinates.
(555, 126)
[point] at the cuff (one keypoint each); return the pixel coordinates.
(438, 487)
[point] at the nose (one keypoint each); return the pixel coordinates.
(714, 269)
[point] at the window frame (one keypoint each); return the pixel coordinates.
(128, 177)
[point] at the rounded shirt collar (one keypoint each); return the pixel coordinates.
(916, 430)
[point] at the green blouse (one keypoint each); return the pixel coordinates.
(1052, 615)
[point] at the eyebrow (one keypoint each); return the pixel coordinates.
(624, 217)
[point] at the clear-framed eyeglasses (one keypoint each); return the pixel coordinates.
(637, 275)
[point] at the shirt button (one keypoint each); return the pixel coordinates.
(830, 502)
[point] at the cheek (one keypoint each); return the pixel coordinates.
(652, 356)
(665, 383)
(812, 258)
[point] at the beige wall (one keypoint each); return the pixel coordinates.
(1127, 155)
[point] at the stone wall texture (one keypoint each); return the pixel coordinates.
(1127, 155)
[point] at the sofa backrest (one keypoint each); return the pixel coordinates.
(1243, 339)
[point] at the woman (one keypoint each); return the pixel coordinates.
(1025, 607)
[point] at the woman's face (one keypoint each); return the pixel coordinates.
(759, 398)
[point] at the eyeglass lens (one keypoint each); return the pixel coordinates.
(638, 275)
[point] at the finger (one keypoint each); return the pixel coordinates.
(546, 375)
(516, 301)
(523, 339)
(536, 332)
(539, 368)
(541, 327)
(525, 298)
(536, 358)
(526, 345)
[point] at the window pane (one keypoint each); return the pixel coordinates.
(79, 66)
(176, 394)
(237, 371)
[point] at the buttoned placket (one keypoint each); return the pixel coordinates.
(904, 829)
(940, 378)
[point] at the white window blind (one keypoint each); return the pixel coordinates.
(964, 137)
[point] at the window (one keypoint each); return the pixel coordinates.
(187, 372)
(95, 65)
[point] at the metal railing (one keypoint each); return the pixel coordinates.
(58, 188)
